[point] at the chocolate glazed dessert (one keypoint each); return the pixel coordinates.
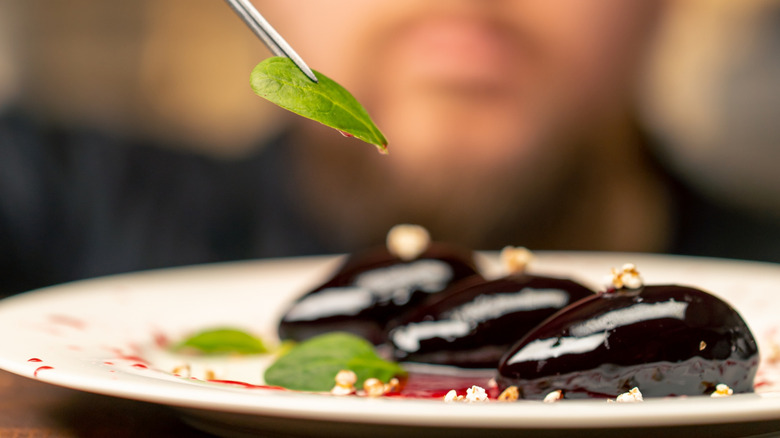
(473, 323)
(375, 286)
(666, 340)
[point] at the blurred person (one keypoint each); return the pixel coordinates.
(509, 123)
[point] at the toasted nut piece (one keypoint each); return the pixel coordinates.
(374, 387)
(509, 394)
(392, 385)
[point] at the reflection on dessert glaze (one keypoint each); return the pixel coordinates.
(329, 302)
(372, 288)
(473, 323)
(630, 315)
(487, 307)
(397, 283)
(409, 337)
(665, 340)
(461, 320)
(379, 286)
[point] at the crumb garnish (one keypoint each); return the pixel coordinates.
(393, 385)
(702, 345)
(345, 383)
(722, 390)
(182, 370)
(452, 396)
(374, 387)
(511, 393)
(774, 353)
(515, 259)
(553, 396)
(626, 277)
(634, 395)
(407, 241)
(474, 394)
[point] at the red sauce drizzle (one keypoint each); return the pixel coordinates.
(129, 357)
(140, 365)
(435, 386)
(34, 359)
(245, 384)
(418, 385)
(161, 340)
(35, 374)
(67, 321)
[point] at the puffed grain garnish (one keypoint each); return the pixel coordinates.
(553, 396)
(722, 390)
(345, 383)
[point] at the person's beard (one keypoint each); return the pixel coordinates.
(358, 194)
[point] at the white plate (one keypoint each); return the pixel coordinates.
(102, 336)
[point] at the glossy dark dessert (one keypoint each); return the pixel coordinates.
(665, 340)
(475, 322)
(372, 288)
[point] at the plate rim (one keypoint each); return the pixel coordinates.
(578, 413)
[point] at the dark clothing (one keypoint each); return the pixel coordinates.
(76, 204)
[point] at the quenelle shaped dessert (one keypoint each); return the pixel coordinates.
(377, 285)
(473, 323)
(665, 340)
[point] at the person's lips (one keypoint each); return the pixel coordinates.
(455, 52)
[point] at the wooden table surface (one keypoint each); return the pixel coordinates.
(33, 409)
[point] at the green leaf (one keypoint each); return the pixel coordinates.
(280, 81)
(222, 341)
(313, 364)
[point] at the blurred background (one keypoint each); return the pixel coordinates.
(713, 95)
(175, 74)
(176, 71)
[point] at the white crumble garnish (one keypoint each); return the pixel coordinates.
(515, 259)
(627, 277)
(345, 383)
(473, 395)
(407, 241)
(553, 396)
(722, 390)
(634, 395)
(452, 396)
(476, 394)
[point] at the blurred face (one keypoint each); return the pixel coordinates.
(476, 93)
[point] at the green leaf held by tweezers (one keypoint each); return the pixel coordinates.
(280, 81)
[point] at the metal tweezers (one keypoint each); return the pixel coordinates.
(270, 37)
